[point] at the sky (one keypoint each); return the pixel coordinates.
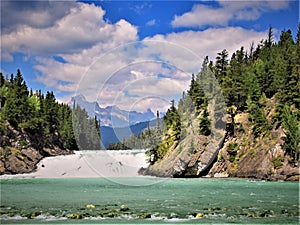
(133, 54)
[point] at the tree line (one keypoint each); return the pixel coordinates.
(47, 122)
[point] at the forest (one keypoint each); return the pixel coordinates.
(247, 80)
(47, 122)
(270, 70)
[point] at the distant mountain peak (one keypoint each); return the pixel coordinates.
(79, 97)
(112, 116)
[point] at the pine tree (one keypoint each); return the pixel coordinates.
(288, 51)
(86, 130)
(257, 116)
(3, 91)
(50, 115)
(196, 93)
(204, 123)
(221, 65)
(234, 85)
(65, 128)
(157, 121)
(16, 109)
(253, 89)
(172, 120)
(292, 132)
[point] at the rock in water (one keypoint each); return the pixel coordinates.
(90, 206)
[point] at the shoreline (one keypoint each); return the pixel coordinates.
(113, 164)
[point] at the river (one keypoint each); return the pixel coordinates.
(65, 197)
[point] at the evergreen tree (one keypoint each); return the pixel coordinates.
(292, 132)
(221, 65)
(253, 89)
(50, 115)
(172, 120)
(234, 85)
(16, 109)
(196, 94)
(288, 51)
(204, 123)
(86, 130)
(257, 116)
(157, 121)
(3, 91)
(65, 128)
(46, 122)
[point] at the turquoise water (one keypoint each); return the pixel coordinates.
(167, 201)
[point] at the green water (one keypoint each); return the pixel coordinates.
(171, 200)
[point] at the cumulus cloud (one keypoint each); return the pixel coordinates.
(211, 41)
(106, 61)
(203, 15)
(37, 14)
(78, 38)
(81, 29)
(140, 77)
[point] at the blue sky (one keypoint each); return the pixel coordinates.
(87, 47)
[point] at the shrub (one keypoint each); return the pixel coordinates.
(277, 162)
(232, 150)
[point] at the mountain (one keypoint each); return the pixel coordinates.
(114, 135)
(116, 123)
(112, 116)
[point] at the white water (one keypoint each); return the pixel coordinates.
(84, 164)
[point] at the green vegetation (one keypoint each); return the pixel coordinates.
(232, 150)
(205, 124)
(277, 162)
(117, 146)
(47, 122)
(292, 132)
(248, 81)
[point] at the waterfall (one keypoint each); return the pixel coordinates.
(101, 163)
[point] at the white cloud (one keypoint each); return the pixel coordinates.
(140, 81)
(79, 38)
(203, 15)
(37, 14)
(81, 29)
(151, 22)
(103, 61)
(211, 41)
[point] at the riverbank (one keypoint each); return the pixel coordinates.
(21, 151)
(119, 163)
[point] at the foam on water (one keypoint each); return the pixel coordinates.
(88, 164)
(166, 201)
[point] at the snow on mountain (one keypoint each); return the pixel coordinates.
(112, 116)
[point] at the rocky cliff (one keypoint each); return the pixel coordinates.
(233, 152)
(262, 157)
(20, 152)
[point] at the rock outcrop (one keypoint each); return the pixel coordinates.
(237, 154)
(20, 153)
(263, 157)
(192, 156)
